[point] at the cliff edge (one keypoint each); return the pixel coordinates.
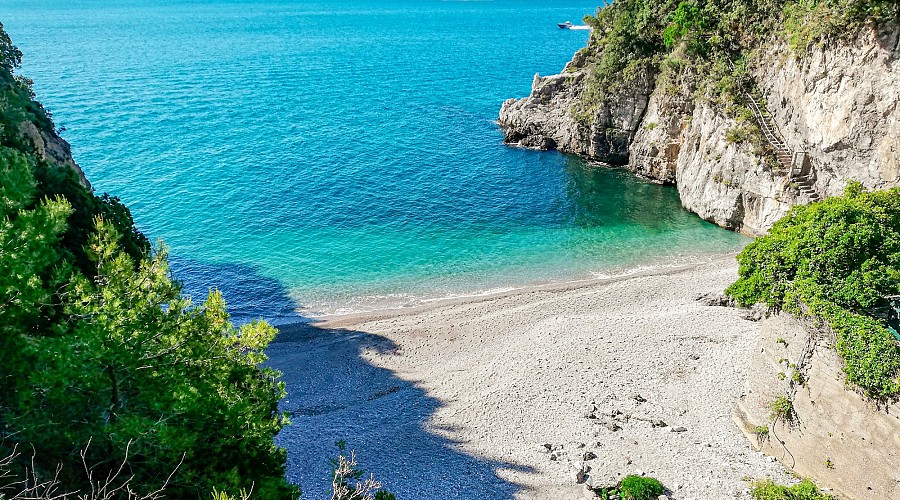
(832, 110)
(837, 436)
(47, 145)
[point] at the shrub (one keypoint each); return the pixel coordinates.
(741, 133)
(807, 22)
(806, 490)
(348, 481)
(641, 488)
(782, 408)
(836, 260)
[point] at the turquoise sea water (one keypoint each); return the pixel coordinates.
(335, 156)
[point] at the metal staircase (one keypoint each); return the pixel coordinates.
(793, 163)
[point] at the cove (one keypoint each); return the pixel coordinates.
(343, 153)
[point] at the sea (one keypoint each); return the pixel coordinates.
(321, 157)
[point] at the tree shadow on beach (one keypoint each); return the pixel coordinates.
(335, 394)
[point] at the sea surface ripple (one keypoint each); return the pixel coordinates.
(335, 156)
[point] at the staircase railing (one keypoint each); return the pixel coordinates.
(792, 162)
(770, 131)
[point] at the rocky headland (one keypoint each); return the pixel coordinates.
(835, 107)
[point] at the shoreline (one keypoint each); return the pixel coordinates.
(340, 320)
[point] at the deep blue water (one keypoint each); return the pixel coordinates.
(340, 155)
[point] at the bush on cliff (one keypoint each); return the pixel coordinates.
(837, 260)
(103, 363)
(639, 38)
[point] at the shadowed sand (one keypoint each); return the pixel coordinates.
(457, 399)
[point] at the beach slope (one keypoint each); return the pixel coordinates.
(505, 397)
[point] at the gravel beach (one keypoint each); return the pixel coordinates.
(509, 396)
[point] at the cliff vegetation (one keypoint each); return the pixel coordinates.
(632, 39)
(839, 261)
(111, 380)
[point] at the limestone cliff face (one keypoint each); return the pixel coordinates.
(724, 182)
(545, 120)
(53, 148)
(838, 104)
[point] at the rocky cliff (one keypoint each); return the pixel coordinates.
(545, 119)
(836, 106)
(49, 146)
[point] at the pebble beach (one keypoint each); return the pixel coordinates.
(530, 394)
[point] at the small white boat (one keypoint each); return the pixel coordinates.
(566, 25)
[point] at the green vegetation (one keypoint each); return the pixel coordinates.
(104, 364)
(641, 488)
(782, 408)
(806, 490)
(691, 45)
(761, 431)
(835, 260)
(810, 21)
(631, 488)
(624, 46)
(742, 133)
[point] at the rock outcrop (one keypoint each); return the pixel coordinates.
(546, 119)
(51, 147)
(838, 103)
(846, 442)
